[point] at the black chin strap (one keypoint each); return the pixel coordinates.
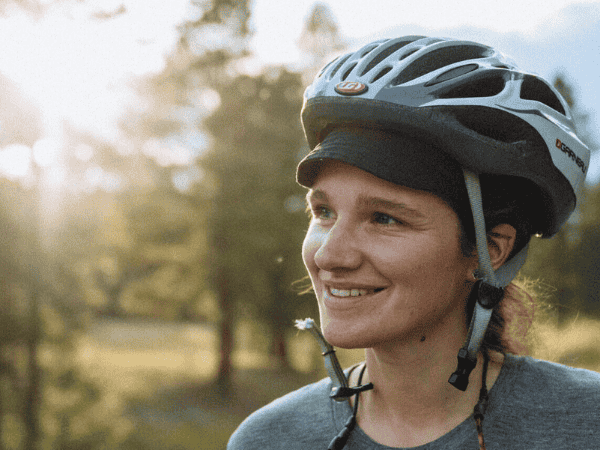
(340, 440)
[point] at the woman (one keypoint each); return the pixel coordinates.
(433, 162)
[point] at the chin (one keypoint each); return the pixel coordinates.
(346, 336)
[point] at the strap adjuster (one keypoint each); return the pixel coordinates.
(343, 392)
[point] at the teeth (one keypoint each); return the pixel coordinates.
(348, 293)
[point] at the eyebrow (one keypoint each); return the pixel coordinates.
(388, 205)
(367, 201)
(315, 194)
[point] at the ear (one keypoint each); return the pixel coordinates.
(501, 240)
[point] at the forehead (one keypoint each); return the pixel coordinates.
(334, 174)
(338, 180)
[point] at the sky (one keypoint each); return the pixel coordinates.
(359, 19)
(77, 66)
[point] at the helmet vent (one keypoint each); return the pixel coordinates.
(453, 73)
(387, 52)
(368, 50)
(327, 66)
(535, 89)
(407, 54)
(496, 124)
(339, 64)
(487, 86)
(381, 73)
(348, 71)
(437, 59)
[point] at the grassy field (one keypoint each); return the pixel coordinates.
(163, 375)
(576, 344)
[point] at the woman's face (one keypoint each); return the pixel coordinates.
(384, 260)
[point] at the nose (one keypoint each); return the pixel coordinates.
(338, 249)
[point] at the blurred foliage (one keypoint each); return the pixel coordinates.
(181, 97)
(19, 119)
(68, 256)
(170, 248)
(257, 221)
(255, 224)
(46, 402)
(320, 39)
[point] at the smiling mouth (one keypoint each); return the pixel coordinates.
(353, 292)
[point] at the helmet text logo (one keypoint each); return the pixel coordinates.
(351, 88)
(571, 154)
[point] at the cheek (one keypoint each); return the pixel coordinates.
(429, 268)
(451, 280)
(310, 246)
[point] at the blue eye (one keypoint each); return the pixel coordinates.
(384, 219)
(322, 213)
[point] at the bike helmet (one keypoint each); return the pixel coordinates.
(473, 103)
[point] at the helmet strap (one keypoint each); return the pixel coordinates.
(489, 289)
(332, 365)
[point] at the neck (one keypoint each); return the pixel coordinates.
(412, 402)
(415, 379)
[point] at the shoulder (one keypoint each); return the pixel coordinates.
(553, 379)
(300, 419)
(553, 405)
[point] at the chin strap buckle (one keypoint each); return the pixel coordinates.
(488, 297)
(343, 392)
(466, 364)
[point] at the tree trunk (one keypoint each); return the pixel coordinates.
(278, 320)
(226, 329)
(279, 347)
(32, 397)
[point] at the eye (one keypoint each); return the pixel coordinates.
(322, 213)
(384, 219)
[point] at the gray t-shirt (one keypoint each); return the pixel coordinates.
(533, 405)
